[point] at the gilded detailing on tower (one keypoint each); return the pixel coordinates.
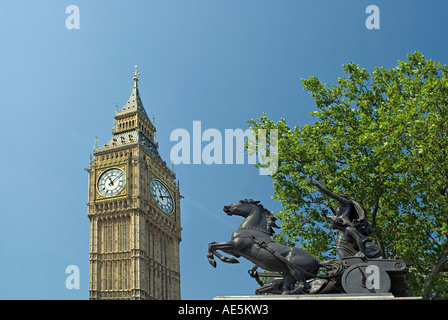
(134, 212)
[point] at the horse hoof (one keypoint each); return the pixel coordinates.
(212, 262)
(232, 260)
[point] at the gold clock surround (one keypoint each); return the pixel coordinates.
(100, 172)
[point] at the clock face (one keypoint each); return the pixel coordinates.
(161, 196)
(111, 182)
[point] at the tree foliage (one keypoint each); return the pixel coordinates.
(382, 138)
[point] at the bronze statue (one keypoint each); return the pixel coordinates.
(253, 241)
(292, 270)
(352, 226)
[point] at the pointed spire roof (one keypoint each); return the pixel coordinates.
(134, 103)
(130, 131)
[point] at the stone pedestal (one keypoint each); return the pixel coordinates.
(379, 296)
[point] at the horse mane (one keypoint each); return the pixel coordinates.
(269, 216)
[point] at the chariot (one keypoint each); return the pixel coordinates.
(356, 276)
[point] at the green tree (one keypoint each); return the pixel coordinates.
(382, 138)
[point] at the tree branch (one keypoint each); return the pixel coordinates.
(438, 267)
(373, 224)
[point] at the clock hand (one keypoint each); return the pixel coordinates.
(111, 182)
(118, 177)
(163, 195)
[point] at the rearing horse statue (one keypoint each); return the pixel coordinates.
(252, 240)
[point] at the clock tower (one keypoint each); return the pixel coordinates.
(134, 211)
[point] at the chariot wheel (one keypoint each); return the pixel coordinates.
(365, 278)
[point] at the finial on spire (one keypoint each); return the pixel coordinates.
(136, 74)
(96, 143)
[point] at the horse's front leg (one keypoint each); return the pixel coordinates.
(229, 247)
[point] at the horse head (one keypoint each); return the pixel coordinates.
(241, 208)
(246, 208)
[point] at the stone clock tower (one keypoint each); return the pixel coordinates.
(134, 211)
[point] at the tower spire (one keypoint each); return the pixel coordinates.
(134, 102)
(133, 126)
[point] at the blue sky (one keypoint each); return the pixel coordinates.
(215, 61)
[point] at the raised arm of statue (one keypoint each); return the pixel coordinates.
(327, 192)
